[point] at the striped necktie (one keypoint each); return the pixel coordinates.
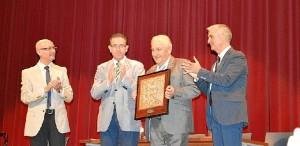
(117, 71)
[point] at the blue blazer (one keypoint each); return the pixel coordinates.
(228, 89)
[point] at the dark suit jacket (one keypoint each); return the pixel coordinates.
(228, 89)
(180, 116)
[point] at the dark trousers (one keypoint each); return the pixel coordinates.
(115, 136)
(48, 132)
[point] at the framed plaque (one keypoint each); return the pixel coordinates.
(150, 100)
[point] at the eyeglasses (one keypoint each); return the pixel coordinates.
(118, 46)
(49, 48)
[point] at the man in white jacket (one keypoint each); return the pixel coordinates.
(45, 88)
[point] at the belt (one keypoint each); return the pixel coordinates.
(49, 111)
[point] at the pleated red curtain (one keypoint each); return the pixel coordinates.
(266, 31)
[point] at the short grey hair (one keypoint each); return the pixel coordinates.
(164, 39)
(223, 29)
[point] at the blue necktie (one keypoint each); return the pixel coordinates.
(163, 67)
(47, 81)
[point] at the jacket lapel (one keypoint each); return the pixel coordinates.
(39, 75)
(225, 58)
(171, 62)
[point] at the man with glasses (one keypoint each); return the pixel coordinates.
(114, 82)
(45, 89)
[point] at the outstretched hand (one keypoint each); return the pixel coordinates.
(191, 68)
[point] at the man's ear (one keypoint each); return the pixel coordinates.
(170, 50)
(127, 48)
(38, 52)
(109, 48)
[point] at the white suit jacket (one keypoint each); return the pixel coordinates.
(118, 92)
(32, 93)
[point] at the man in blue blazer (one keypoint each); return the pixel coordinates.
(225, 88)
(113, 83)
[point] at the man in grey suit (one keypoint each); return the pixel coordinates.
(46, 88)
(172, 129)
(113, 83)
(224, 86)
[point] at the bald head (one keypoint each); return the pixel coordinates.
(44, 43)
(46, 51)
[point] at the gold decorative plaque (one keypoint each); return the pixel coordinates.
(151, 99)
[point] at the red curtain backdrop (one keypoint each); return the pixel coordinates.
(267, 31)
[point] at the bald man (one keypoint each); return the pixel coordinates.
(45, 89)
(174, 127)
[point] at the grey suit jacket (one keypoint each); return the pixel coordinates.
(32, 93)
(180, 116)
(118, 92)
(228, 89)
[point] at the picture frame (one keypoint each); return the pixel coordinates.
(150, 100)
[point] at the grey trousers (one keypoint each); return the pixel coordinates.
(160, 137)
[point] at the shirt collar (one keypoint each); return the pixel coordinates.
(221, 55)
(42, 66)
(165, 64)
(121, 61)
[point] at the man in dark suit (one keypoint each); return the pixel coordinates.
(173, 128)
(224, 86)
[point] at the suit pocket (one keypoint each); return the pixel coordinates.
(182, 106)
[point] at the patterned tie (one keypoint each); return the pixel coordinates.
(161, 67)
(47, 81)
(117, 71)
